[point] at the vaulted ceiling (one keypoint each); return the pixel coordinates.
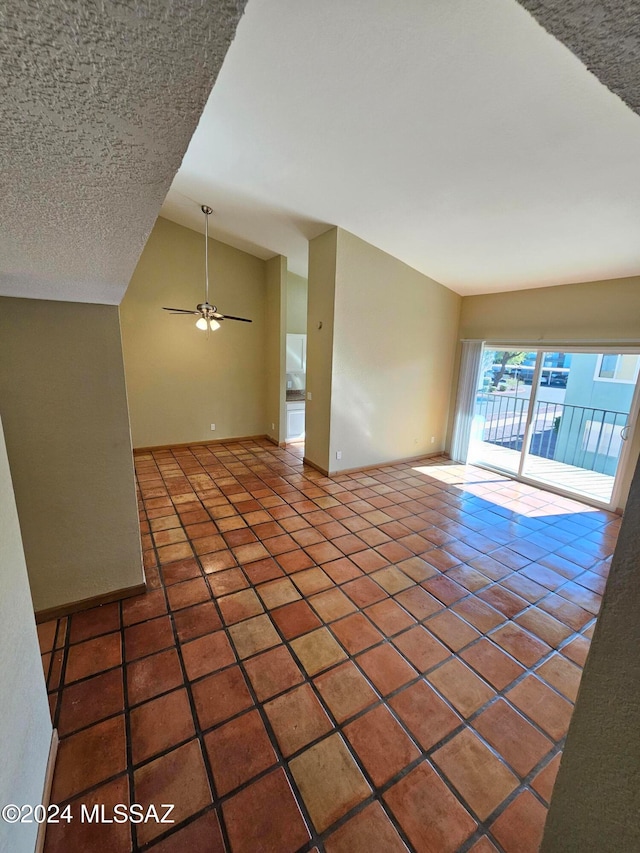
(459, 136)
(462, 137)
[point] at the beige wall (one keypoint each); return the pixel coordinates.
(599, 310)
(572, 313)
(64, 407)
(320, 311)
(395, 336)
(276, 314)
(180, 381)
(389, 373)
(25, 724)
(297, 288)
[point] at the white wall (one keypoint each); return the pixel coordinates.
(25, 724)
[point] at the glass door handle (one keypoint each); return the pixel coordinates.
(624, 432)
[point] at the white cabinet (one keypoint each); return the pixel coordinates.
(295, 420)
(296, 353)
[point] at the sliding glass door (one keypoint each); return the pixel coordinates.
(580, 421)
(502, 407)
(556, 418)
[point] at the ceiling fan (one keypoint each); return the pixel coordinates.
(209, 316)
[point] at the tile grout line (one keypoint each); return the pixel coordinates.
(337, 728)
(388, 639)
(285, 762)
(133, 832)
(257, 706)
(186, 685)
(266, 723)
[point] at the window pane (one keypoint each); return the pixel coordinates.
(627, 368)
(608, 366)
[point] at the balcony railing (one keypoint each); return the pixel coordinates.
(582, 436)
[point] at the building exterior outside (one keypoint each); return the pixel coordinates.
(598, 398)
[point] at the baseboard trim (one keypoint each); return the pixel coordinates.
(46, 790)
(275, 441)
(230, 440)
(284, 444)
(88, 603)
(405, 460)
(313, 465)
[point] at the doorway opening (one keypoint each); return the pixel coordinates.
(296, 360)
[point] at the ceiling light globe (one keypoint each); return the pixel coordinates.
(201, 324)
(214, 325)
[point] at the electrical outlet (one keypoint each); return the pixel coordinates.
(213, 426)
(338, 454)
(433, 439)
(273, 426)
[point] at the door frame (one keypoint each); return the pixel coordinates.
(535, 380)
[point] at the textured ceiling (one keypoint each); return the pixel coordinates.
(99, 101)
(605, 35)
(457, 135)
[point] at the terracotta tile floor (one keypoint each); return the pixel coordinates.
(378, 661)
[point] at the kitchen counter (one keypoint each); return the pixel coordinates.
(296, 395)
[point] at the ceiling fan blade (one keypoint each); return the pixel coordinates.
(229, 317)
(180, 311)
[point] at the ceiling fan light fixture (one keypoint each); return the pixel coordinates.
(209, 314)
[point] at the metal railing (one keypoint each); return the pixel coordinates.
(582, 436)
